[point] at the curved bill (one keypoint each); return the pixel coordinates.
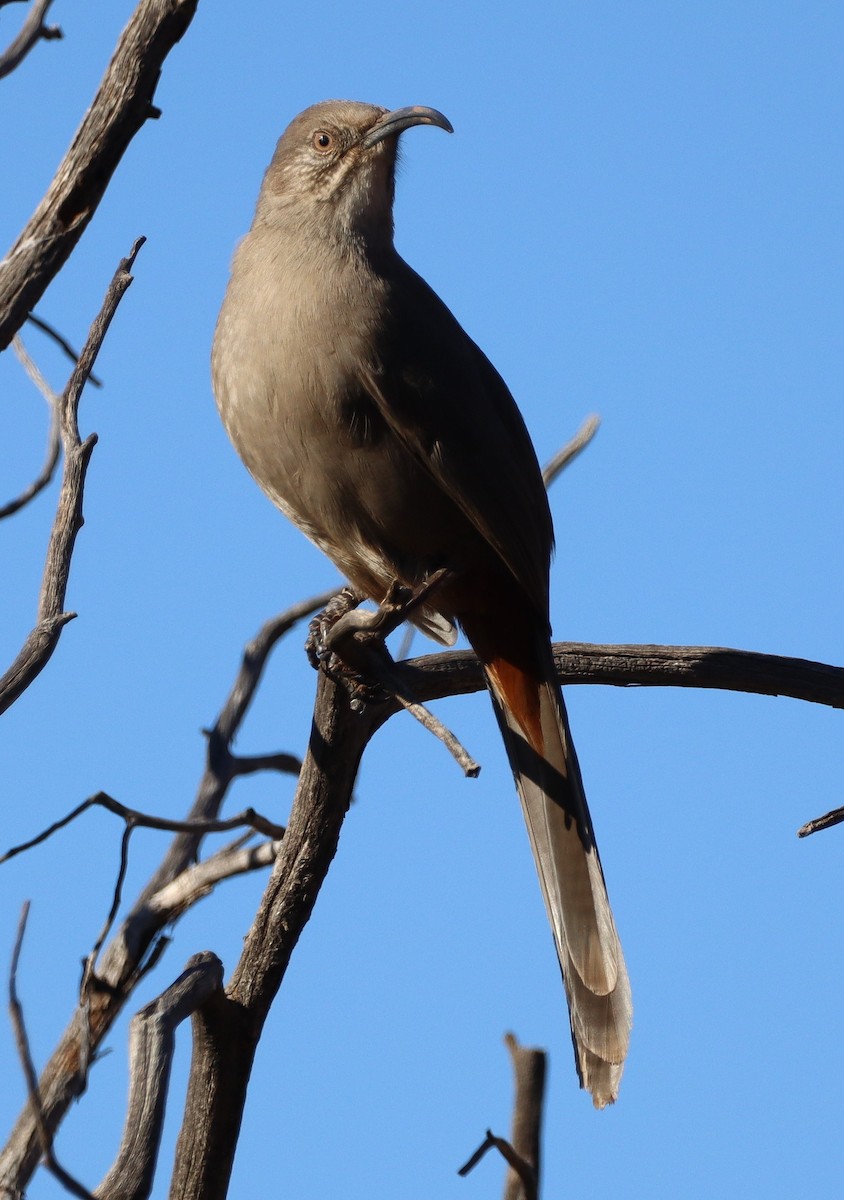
(402, 118)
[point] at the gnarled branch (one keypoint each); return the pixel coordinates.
(177, 884)
(151, 1045)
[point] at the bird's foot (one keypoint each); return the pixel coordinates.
(332, 647)
(348, 642)
(317, 645)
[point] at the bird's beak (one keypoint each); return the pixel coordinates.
(402, 118)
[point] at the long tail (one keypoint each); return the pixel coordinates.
(529, 707)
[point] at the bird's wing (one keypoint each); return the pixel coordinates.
(451, 409)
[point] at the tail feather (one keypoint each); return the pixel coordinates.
(534, 725)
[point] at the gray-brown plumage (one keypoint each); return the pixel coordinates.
(376, 424)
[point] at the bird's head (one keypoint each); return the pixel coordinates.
(335, 165)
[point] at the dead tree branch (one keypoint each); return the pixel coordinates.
(174, 887)
(133, 820)
(32, 31)
(124, 101)
(529, 1069)
(522, 1152)
(455, 674)
(819, 823)
(230, 1033)
(199, 880)
(151, 1046)
(39, 646)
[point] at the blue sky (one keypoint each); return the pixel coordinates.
(638, 215)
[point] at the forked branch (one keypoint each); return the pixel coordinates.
(31, 32)
(151, 1044)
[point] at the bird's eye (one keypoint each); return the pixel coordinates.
(323, 141)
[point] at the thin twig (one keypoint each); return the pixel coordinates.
(25, 1055)
(571, 450)
(434, 725)
(32, 31)
(91, 960)
(54, 442)
(522, 1169)
(134, 818)
(21, 1039)
(62, 343)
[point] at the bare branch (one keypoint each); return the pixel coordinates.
(54, 441)
(220, 764)
(198, 881)
(121, 106)
(33, 30)
(434, 725)
(91, 960)
(151, 1046)
(819, 823)
(42, 641)
(286, 764)
(255, 657)
(571, 450)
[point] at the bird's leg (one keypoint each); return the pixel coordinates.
(396, 607)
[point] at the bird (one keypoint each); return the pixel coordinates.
(372, 420)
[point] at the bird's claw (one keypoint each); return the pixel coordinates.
(317, 643)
